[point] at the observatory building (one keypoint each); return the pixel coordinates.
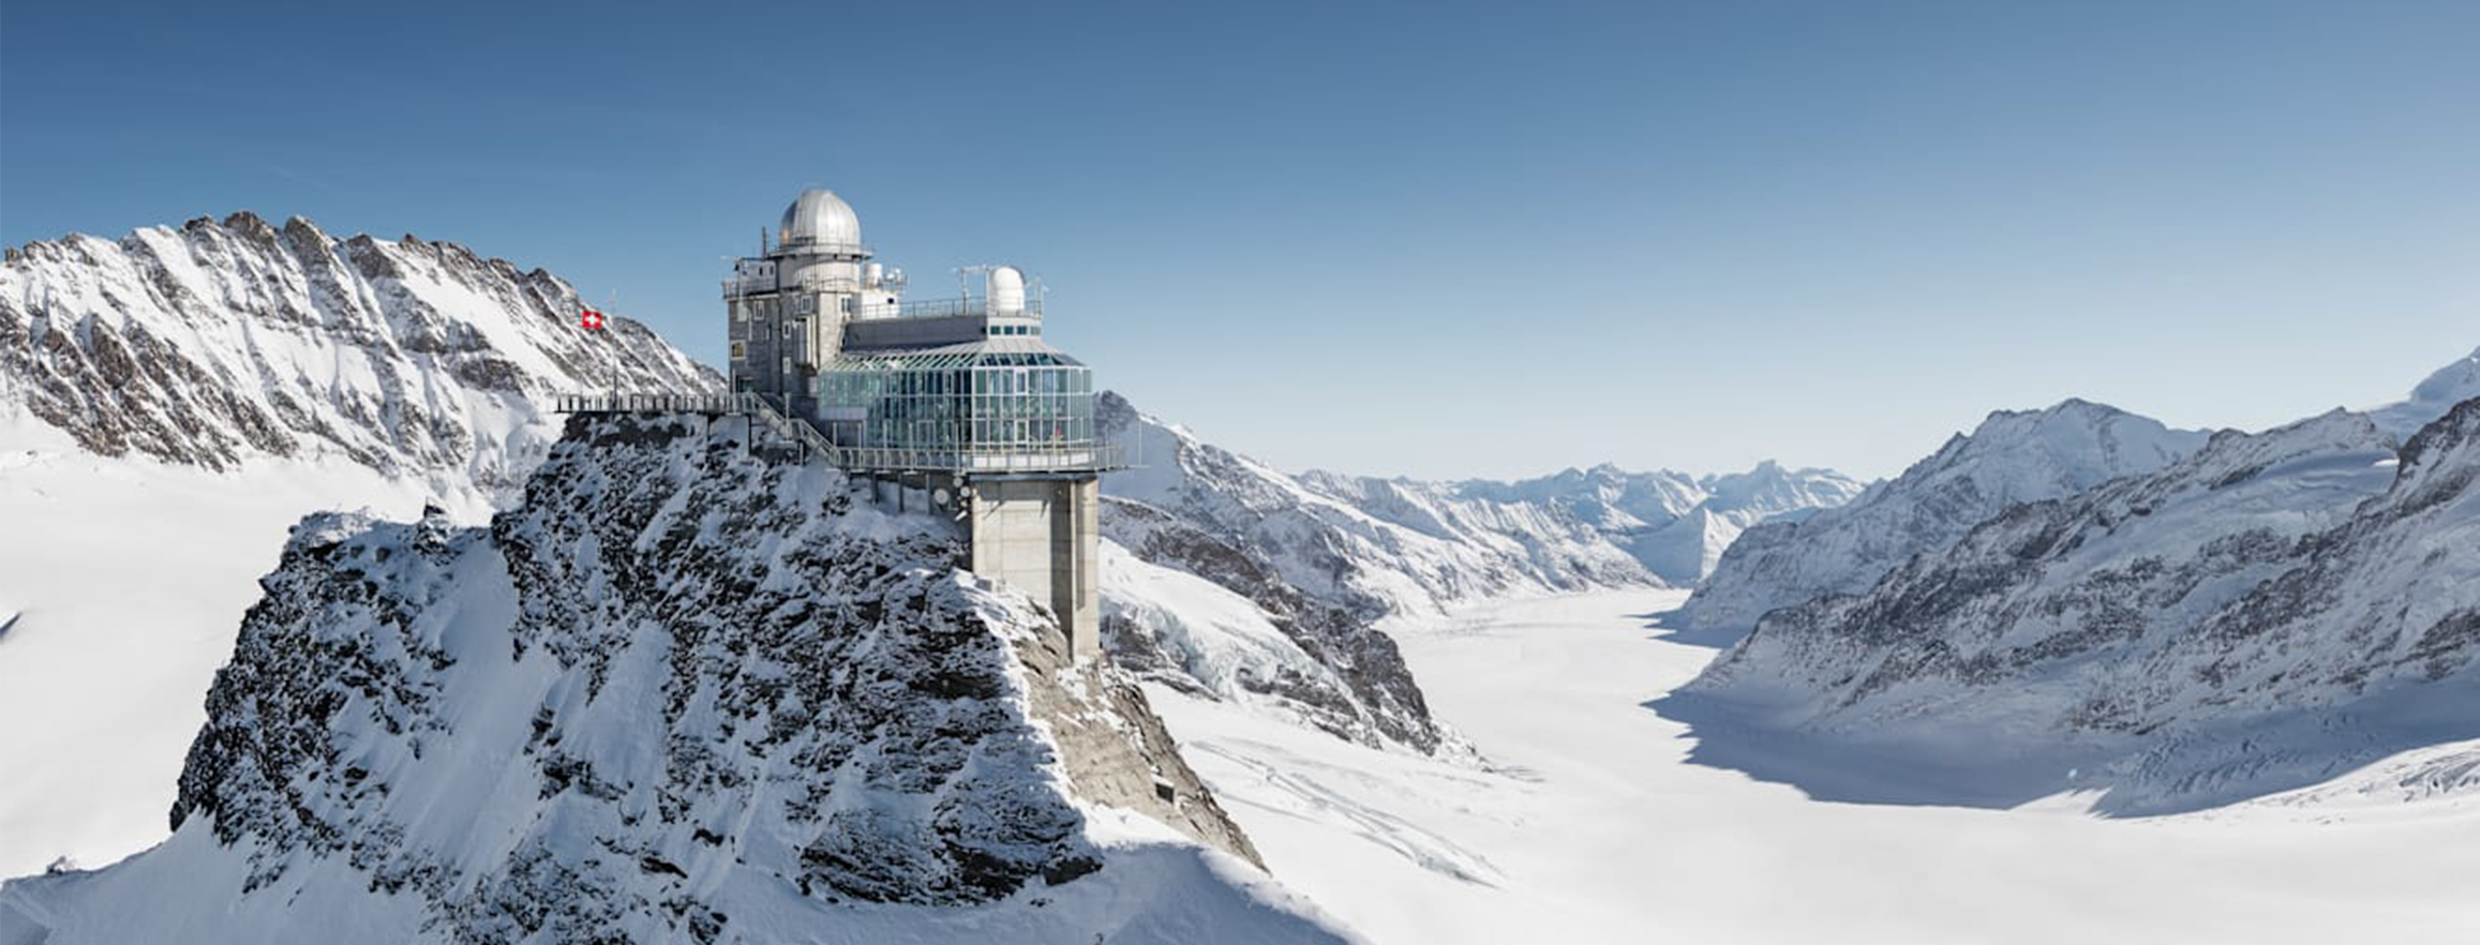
(957, 399)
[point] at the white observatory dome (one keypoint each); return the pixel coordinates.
(1006, 290)
(820, 220)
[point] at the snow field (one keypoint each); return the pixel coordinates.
(1589, 825)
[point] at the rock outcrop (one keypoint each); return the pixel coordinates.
(686, 690)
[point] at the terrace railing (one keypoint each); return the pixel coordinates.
(755, 406)
(995, 458)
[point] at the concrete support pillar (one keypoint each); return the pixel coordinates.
(1043, 536)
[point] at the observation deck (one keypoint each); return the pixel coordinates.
(982, 459)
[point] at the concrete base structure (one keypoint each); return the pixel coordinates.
(1044, 536)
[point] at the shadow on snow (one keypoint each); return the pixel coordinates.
(1711, 639)
(1969, 762)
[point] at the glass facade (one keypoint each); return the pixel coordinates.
(965, 411)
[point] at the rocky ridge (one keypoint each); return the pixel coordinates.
(685, 691)
(2012, 457)
(221, 342)
(2273, 611)
(1320, 571)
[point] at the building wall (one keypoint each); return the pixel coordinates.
(1043, 536)
(778, 339)
(930, 332)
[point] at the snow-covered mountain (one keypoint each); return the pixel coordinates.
(2012, 457)
(1203, 615)
(171, 403)
(682, 692)
(2273, 611)
(2439, 392)
(220, 342)
(1281, 581)
(1388, 550)
(1250, 584)
(1675, 524)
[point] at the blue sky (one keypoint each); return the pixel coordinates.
(1429, 240)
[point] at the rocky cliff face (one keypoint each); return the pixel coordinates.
(683, 692)
(2275, 610)
(1237, 630)
(215, 343)
(1245, 583)
(1295, 573)
(172, 401)
(2012, 457)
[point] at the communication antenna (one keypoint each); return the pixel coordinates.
(966, 274)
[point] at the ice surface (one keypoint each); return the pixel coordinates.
(1589, 824)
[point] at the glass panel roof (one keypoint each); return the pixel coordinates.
(996, 352)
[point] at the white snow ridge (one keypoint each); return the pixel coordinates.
(683, 692)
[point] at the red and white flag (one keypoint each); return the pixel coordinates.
(591, 319)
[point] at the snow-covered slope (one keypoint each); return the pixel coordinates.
(1594, 827)
(1676, 525)
(172, 402)
(683, 692)
(1322, 560)
(1192, 611)
(219, 342)
(1289, 576)
(2449, 385)
(1390, 551)
(2271, 612)
(2014, 456)
(1540, 541)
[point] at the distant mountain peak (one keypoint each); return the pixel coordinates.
(2432, 397)
(2013, 456)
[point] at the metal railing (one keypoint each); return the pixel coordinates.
(756, 406)
(738, 286)
(996, 458)
(1078, 457)
(813, 443)
(811, 282)
(951, 308)
(651, 403)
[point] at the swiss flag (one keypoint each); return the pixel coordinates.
(591, 319)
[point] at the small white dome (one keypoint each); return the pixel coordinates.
(822, 221)
(1006, 290)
